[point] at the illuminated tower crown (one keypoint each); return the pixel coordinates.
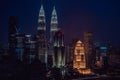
(54, 24)
(41, 19)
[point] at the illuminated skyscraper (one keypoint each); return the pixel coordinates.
(59, 55)
(54, 24)
(41, 20)
(41, 43)
(30, 51)
(53, 30)
(70, 50)
(79, 61)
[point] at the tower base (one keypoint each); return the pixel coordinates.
(85, 71)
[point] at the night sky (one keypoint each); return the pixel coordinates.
(74, 17)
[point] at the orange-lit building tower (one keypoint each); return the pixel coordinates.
(79, 61)
(79, 56)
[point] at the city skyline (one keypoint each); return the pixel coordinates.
(100, 17)
(59, 40)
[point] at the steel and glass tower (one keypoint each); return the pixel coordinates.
(41, 20)
(41, 44)
(53, 30)
(54, 24)
(59, 55)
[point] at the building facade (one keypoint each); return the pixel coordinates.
(88, 43)
(59, 54)
(53, 25)
(30, 49)
(20, 46)
(40, 38)
(79, 61)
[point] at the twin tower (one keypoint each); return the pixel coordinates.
(42, 22)
(46, 48)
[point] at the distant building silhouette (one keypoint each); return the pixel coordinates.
(12, 30)
(88, 43)
(13, 25)
(19, 46)
(30, 49)
(70, 51)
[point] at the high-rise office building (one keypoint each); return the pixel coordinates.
(79, 61)
(30, 49)
(103, 57)
(19, 46)
(41, 20)
(53, 30)
(54, 24)
(88, 42)
(70, 51)
(41, 43)
(59, 54)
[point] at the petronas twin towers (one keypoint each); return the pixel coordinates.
(42, 22)
(42, 43)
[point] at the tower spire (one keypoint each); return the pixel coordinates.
(54, 20)
(54, 23)
(41, 42)
(41, 19)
